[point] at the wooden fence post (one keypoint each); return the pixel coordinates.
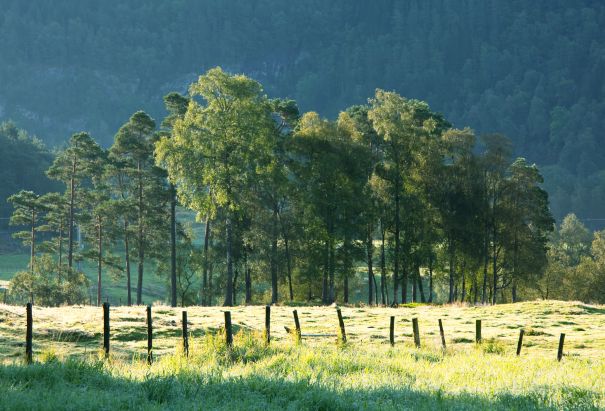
(392, 331)
(185, 335)
(520, 342)
(442, 334)
(106, 329)
(29, 334)
(149, 336)
(341, 323)
(268, 324)
(416, 332)
(560, 351)
(228, 329)
(297, 325)
(478, 331)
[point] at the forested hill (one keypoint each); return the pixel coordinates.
(533, 70)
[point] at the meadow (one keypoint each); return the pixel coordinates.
(69, 371)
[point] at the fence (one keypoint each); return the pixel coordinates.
(228, 331)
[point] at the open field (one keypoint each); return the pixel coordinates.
(366, 373)
(114, 289)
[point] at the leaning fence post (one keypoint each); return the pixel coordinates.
(520, 342)
(149, 336)
(478, 331)
(268, 324)
(341, 323)
(442, 334)
(297, 325)
(29, 334)
(106, 329)
(416, 332)
(228, 329)
(560, 351)
(392, 331)
(185, 335)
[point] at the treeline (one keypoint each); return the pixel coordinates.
(533, 70)
(293, 205)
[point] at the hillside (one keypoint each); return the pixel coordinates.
(534, 71)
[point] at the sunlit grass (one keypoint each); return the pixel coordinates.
(365, 373)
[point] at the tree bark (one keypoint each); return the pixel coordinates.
(33, 242)
(369, 253)
(72, 197)
(99, 261)
(141, 247)
(173, 245)
(248, 286)
(383, 267)
(451, 269)
(273, 259)
(205, 282)
(420, 287)
(229, 289)
(430, 278)
(127, 252)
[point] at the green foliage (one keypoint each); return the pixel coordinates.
(49, 284)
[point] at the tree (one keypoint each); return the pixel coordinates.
(28, 208)
(73, 166)
(176, 105)
(133, 145)
(222, 138)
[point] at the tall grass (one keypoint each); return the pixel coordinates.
(283, 376)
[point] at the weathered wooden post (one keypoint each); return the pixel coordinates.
(416, 332)
(5, 290)
(392, 331)
(268, 324)
(185, 335)
(560, 352)
(106, 329)
(29, 334)
(298, 335)
(228, 329)
(149, 336)
(478, 331)
(520, 342)
(341, 323)
(442, 334)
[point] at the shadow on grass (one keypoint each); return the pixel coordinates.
(79, 385)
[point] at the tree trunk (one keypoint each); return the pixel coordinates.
(396, 251)
(72, 197)
(205, 282)
(485, 264)
(33, 242)
(452, 270)
(61, 250)
(273, 258)
(173, 245)
(383, 268)
(346, 288)
(463, 281)
(495, 266)
(430, 278)
(248, 286)
(99, 261)
(369, 253)
(235, 275)
(140, 239)
(420, 287)
(288, 267)
(324, 288)
(229, 289)
(127, 252)
(414, 288)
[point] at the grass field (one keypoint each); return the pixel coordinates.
(365, 373)
(114, 289)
